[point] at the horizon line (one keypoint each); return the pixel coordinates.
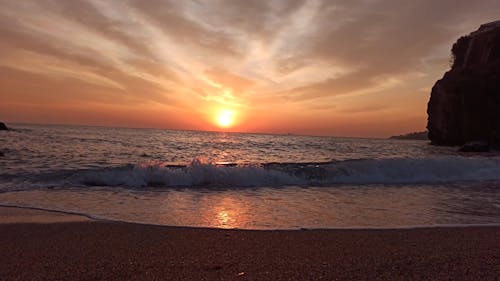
(192, 130)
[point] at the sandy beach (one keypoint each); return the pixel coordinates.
(77, 248)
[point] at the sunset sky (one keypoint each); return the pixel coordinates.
(347, 68)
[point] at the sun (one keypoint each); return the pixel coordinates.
(225, 118)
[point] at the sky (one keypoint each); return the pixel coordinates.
(361, 68)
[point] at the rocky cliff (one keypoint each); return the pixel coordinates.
(465, 104)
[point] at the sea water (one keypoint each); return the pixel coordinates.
(249, 181)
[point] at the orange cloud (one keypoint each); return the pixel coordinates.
(315, 67)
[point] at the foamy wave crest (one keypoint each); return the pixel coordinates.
(363, 171)
(197, 174)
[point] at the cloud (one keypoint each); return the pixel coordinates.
(300, 54)
(225, 78)
(377, 42)
(171, 18)
(39, 49)
(89, 16)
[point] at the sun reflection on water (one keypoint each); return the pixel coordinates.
(224, 220)
(227, 213)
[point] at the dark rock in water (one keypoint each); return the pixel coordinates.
(465, 104)
(412, 136)
(475, 146)
(3, 127)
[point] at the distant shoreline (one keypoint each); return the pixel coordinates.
(412, 136)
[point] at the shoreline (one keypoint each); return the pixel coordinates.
(16, 214)
(82, 249)
(53, 216)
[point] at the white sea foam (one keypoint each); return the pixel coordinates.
(363, 171)
(423, 170)
(195, 174)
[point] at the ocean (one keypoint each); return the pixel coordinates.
(246, 181)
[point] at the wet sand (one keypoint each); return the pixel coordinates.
(26, 215)
(98, 250)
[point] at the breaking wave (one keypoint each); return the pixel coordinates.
(361, 171)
